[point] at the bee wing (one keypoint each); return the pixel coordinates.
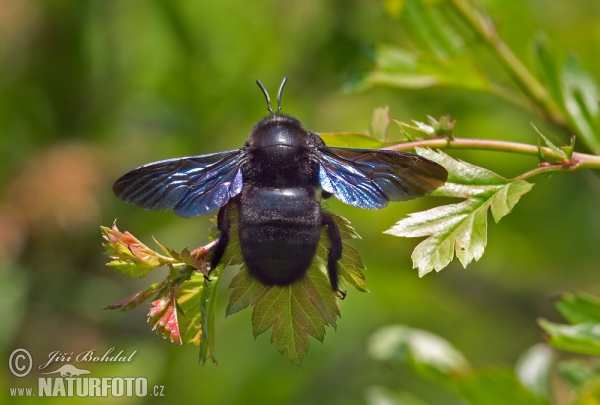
(189, 186)
(371, 178)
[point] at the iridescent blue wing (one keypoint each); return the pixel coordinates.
(189, 186)
(372, 178)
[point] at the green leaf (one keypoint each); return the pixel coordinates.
(581, 101)
(576, 372)
(496, 387)
(533, 369)
(206, 317)
(350, 266)
(352, 140)
(581, 338)
(430, 355)
(579, 308)
(304, 308)
(295, 312)
(380, 123)
(557, 155)
(397, 67)
(430, 29)
(459, 228)
(246, 291)
(546, 63)
(188, 302)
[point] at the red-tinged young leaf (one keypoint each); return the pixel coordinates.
(188, 302)
(196, 259)
(130, 257)
(137, 298)
(186, 313)
(163, 317)
(459, 228)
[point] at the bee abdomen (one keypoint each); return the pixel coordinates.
(279, 232)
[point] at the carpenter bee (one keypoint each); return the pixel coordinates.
(276, 181)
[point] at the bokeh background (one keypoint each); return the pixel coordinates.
(91, 89)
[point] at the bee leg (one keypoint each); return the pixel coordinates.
(335, 253)
(223, 225)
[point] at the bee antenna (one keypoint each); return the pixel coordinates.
(269, 98)
(283, 82)
(266, 96)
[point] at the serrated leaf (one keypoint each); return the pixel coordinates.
(460, 228)
(164, 318)
(579, 308)
(246, 291)
(295, 312)
(138, 298)
(129, 256)
(188, 301)
(581, 338)
(208, 308)
(346, 230)
(304, 308)
(350, 266)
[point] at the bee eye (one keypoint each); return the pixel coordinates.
(247, 144)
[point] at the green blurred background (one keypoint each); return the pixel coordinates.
(91, 89)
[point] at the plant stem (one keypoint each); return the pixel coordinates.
(485, 29)
(578, 160)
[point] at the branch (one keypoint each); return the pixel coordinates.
(578, 160)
